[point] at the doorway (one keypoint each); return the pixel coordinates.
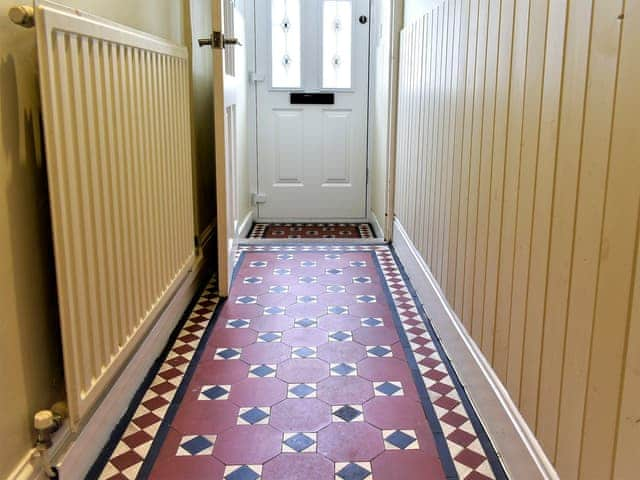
(312, 87)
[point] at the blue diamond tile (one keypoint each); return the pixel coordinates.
(270, 337)
(400, 439)
(305, 322)
(308, 263)
(371, 322)
(253, 415)
(278, 289)
(366, 299)
(343, 369)
(298, 442)
(258, 264)
(215, 392)
(246, 300)
(332, 256)
(303, 352)
(333, 271)
(252, 280)
(352, 471)
(282, 271)
(195, 445)
(307, 299)
(358, 263)
(379, 351)
(243, 472)
(238, 323)
(388, 389)
(227, 353)
(302, 390)
(285, 256)
(262, 371)
(336, 289)
(362, 280)
(274, 311)
(340, 336)
(338, 309)
(307, 280)
(347, 413)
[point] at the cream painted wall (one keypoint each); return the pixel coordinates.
(379, 138)
(519, 183)
(31, 376)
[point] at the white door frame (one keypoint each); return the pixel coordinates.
(252, 136)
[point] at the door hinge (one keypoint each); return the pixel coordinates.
(258, 198)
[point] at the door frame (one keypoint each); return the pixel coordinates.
(384, 226)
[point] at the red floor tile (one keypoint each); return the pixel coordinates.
(345, 390)
(345, 442)
(308, 337)
(205, 417)
(407, 465)
(266, 353)
(244, 444)
(394, 412)
(298, 466)
(300, 415)
(258, 391)
(303, 370)
(336, 352)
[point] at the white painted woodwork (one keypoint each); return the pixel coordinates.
(116, 117)
(518, 182)
(312, 159)
(225, 99)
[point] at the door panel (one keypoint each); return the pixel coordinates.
(312, 158)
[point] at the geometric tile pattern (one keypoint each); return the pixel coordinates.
(311, 230)
(274, 396)
(133, 447)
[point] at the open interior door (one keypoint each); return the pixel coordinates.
(223, 42)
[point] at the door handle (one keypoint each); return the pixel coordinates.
(217, 40)
(231, 41)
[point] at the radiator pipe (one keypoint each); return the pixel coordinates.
(23, 15)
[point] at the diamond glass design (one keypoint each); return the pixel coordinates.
(285, 43)
(336, 44)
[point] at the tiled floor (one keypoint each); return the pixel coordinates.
(311, 230)
(318, 366)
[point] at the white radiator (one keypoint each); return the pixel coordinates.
(117, 126)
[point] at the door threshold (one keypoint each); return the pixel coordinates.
(311, 241)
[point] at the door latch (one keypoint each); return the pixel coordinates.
(218, 41)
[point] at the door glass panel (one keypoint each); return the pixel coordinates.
(285, 44)
(336, 44)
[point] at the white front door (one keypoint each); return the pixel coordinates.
(312, 149)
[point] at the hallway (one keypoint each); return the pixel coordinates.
(319, 365)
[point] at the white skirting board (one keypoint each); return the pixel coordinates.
(377, 227)
(245, 226)
(514, 441)
(83, 450)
